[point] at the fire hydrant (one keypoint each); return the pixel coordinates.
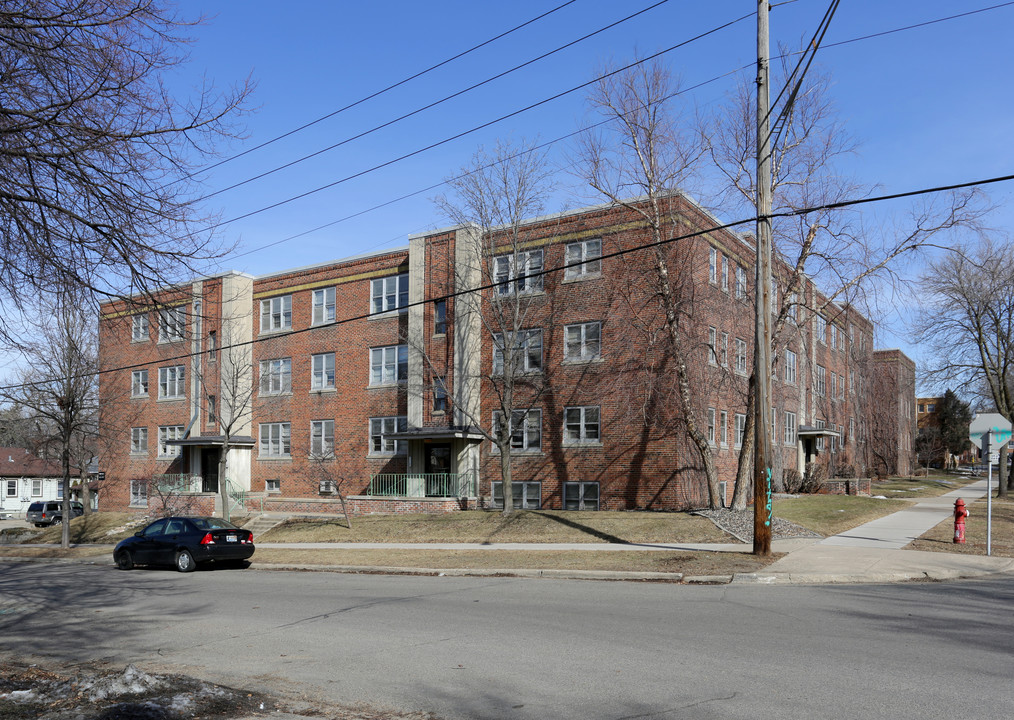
(960, 513)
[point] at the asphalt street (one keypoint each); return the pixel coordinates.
(523, 648)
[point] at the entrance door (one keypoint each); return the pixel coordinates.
(209, 469)
(439, 480)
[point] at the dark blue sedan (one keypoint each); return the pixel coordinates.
(186, 542)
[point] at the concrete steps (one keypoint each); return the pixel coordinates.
(262, 523)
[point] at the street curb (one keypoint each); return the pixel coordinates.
(471, 572)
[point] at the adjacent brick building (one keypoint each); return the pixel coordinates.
(379, 375)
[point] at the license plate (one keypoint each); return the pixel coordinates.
(231, 538)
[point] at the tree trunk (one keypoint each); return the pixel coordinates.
(86, 493)
(506, 486)
(223, 483)
(744, 469)
(1004, 479)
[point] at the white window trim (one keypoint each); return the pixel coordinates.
(525, 447)
(583, 426)
(507, 278)
(137, 497)
(140, 322)
(398, 423)
(400, 365)
(322, 431)
(523, 338)
(169, 432)
(585, 355)
(581, 485)
(400, 301)
(325, 306)
(177, 384)
(269, 313)
(172, 324)
(136, 381)
(284, 437)
(275, 371)
(136, 434)
(589, 254)
(322, 379)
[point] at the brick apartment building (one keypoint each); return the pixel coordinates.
(376, 375)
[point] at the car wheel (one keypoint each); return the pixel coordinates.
(185, 561)
(57, 521)
(39, 525)
(124, 561)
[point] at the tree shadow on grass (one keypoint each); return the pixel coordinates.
(606, 537)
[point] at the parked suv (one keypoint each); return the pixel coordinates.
(50, 512)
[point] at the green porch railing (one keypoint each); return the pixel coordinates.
(178, 483)
(422, 485)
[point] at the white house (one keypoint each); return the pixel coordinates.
(25, 479)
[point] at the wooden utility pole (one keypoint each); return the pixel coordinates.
(762, 343)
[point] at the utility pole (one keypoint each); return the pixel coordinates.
(762, 335)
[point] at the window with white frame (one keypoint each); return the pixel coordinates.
(275, 439)
(723, 350)
(439, 395)
(741, 366)
(740, 282)
(790, 428)
(440, 317)
(12, 488)
(852, 381)
(36, 487)
(322, 306)
(583, 341)
(276, 314)
(388, 364)
(322, 368)
(820, 328)
(525, 429)
(580, 496)
(276, 376)
(273, 486)
(166, 433)
(723, 428)
(139, 493)
(773, 426)
(852, 430)
(172, 324)
(820, 425)
(139, 383)
(725, 273)
(139, 328)
(518, 273)
(834, 385)
(527, 351)
(212, 409)
(790, 366)
(712, 346)
(212, 346)
(852, 333)
(821, 388)
(588, 254)
(527, 495)
(834, 335)
(389, 293)
(841, 339)
(713, 266)
(794, 307)
(711, 425)
(172, 383)
(322, 438)
(740, 429)
(139, 441)
(380, 429)
(774, 296)
(581, 426)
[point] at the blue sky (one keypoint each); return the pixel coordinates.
(931, 106)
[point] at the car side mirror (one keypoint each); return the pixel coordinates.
(139, 533)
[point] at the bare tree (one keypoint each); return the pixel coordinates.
(493, 199)
(967, 322)
(324, 477)
(96, 154)
(640, 160)
(59, 388)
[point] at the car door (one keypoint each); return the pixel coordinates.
(169, 540)
(144, 548)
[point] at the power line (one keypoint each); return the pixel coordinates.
(428, 106)
(547, 271)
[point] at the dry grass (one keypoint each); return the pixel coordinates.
(92, 528)
(688, 563)
(524, 526)
(933, 485)
(941, 537)
(832, 514)
(71, 553)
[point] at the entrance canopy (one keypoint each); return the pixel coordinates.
(806, 431)
(439, 434)
(213, 441)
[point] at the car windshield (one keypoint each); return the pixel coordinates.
(35, 507)
(213, 524)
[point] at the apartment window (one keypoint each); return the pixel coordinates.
(740, 283)
(273, 486)
(139, 493)
(774, 297)
(841, 387)
(723, 428)
(821, 388)
(741, 356)
(841, 340)
(794, 307)
(773, 427)
(380, 428)
(212, 346)
(12, 488)
(834, 335)
(711, 425)
(439, 317)
(527, 495)
(212, 409)
(712, 346)
(820, 424)
(37, 487)
(166, 433)
(276, 314)
(171, 382)
(439, 395)
(389, 293)
(276, 376)
(790, 366)
(852, 381)
(275, 439)
(322, 438)
(139, 328)
(790, 428)
(725, 273)
(388, 364)
(322, 377)
(852, 430)
(834, 385)
(581, 426)
(139, 383)
(740, 429)
(713, 266)
(172, 324)
(139, 441)
(518, 273)
(588, 254)
(723, 350)
(525, 429)
(821, 328)
(322, 306)
(931, 407)
(527, 354)
(583, 341)
(581, 496)
(852, 333)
